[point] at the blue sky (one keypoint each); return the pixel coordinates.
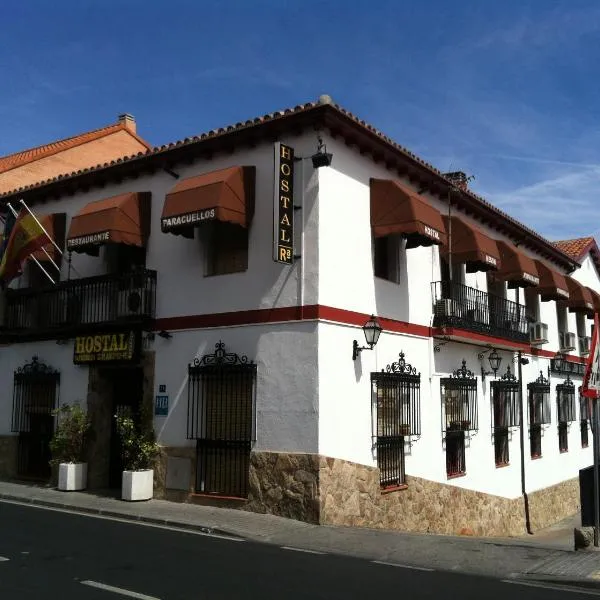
(506, 91)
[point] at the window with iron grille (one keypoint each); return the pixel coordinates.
(455, 453)
(565, 400)
(563, 437)
(584, 417)
(539, 401)
(583, 426)
(505, 414)
(535, 441)
(459, 400)
(501, 446)
(396, 395)
(221, 418)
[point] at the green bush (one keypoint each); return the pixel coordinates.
(68, 444)
(138, 448)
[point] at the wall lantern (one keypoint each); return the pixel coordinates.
(559, 362)
(372, 329)
(321, 158)
(495, 361)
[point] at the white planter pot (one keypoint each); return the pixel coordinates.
(72, 476)
(137, 485)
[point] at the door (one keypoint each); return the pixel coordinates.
(127, 390)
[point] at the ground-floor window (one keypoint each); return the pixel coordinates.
(563, 437)
(501, 446)
(535, 441)
(584, 433)
(455, 453)
(390, 461)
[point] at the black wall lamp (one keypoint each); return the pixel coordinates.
(321, 158)
(165, 335)
(372, 330)
(495, 361)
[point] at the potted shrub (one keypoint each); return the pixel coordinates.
(138, 451)
(68, 445)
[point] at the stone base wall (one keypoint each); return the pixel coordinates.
(8, 456)
(319, 489)
(160, 473)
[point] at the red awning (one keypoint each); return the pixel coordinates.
(553, 285)
(518, 270)
(471, 246)
(397, 210)
(580, 300)
(226, 195)
(595, 299)
(122, 219)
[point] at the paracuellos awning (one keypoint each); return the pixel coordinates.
(518, 269)
(122, 219)
(226, 195)
(595, 300)
(580, 300)
(397, 210)
(55, 226)
(470, 246)
(553, 285)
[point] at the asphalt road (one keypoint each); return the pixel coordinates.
(51, 554)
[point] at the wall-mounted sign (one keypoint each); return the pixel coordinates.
(161, 406)
(162, 388)
(106, 347)
(283, 205)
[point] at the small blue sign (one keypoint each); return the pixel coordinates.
(162, 388)
(161, 406)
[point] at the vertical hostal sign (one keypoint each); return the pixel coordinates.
(283, 205)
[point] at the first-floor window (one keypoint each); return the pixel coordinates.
(386, 258)
(584, 433)
(501, 446)
(455, 453)
(535, 440)
(227, 249)
(390, 461)
(563, 437)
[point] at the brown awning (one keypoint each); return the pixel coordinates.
(518, 270)
(123, 219)
(55, 226)
(580, 299)
(396, 209)
(553, 285)
(595, 299)
(471, 246)
(226, 195)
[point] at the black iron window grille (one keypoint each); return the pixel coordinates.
(35, 396)
(565, 400)
(396, 398)
(583, 426)
(539, 401)
(563, 437)
(459, 401)
(535, 441)
(584, 417)
(455, 453)
(221, 418)
(501, 446)
(505, 414)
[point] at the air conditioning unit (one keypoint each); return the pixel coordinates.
(446, 308)
(567, 341)
(584, 345)
(133, 302)
(538, 333)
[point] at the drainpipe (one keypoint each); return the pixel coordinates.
(522, 433)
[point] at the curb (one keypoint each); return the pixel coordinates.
(584, 582)
(119, 515)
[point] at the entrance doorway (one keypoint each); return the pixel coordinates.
(126, 387)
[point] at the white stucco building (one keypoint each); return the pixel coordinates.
(245, 365)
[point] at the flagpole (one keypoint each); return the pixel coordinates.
(40, 225)
(14, 212)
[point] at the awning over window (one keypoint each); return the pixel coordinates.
(471, 246)
(123, 219)
(396, 209)
(55, 226)
(226, 195)
(553, 285)
(580, 299)
(518, 270)
(595, 299)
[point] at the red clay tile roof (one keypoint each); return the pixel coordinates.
(575, 248)
(323, 102)
(18, 159)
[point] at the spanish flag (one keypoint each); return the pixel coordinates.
(26, 237)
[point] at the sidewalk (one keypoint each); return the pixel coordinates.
(547, 555)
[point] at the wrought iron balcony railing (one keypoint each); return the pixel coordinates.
(456, 305)
(80, 305)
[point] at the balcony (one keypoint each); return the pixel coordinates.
(80, 305)
(467, 308)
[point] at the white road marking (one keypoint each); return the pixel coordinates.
(558, 588)
(117, 590)
(179, 528)
(4, 559)
(301, 550)
(390, 564)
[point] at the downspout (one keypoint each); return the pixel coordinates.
(522, 432)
